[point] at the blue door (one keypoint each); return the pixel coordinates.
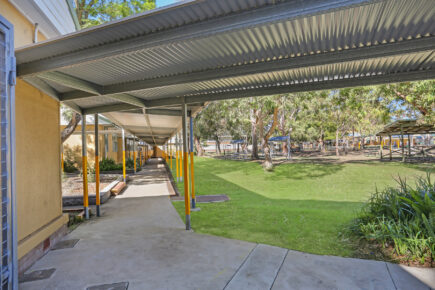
(9, 265)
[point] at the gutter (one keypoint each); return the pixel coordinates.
(73, 13)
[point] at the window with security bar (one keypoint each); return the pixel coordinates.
(8, 261)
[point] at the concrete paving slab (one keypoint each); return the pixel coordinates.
(259, 269)
(411, 277)
(65, 244)
(37, 275)
(113, 286)
(306, 271)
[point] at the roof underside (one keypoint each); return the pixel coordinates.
(199, 51)
(406, 127)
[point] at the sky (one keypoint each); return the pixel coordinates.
(160, 3)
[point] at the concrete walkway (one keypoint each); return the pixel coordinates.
(140, 239)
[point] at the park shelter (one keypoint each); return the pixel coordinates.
(406, 128)
(151, 70)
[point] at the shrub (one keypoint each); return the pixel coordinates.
(402, 218)
(108, 164)
(129, 163)
(69, 166)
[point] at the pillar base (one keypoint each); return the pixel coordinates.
(86, 212)
(98, 211)
(196, 209)
(188, 227)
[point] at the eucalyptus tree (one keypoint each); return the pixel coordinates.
(95, 12)
(411, 99)
(210, 123)
(293, 109)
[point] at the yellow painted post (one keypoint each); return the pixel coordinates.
(134, 156)
(123, 156)
(380, 147)
(97, 167)
(176, 157)
(85, 169)
(181, 165)
(391, 148)
(170, 155)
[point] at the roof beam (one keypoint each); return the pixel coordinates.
(72, 82)
(278, 12)
(90, 88)
(43, 86)
(264, 91)
(301, 87)
(353, 54)
(108, 108)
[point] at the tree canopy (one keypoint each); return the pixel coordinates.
(95, 12)
(317, 116)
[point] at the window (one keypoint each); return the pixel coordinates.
(106, 145)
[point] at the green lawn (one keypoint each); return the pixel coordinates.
(300, 206)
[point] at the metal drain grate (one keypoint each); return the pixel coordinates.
(37, 275)
(113, 286)
(65, 244)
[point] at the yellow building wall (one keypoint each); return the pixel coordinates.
(75, 141)
(23, 29)
(39, 197)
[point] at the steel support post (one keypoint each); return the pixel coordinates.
(192, 176)
(403, 144)
(134, 154)
(170, 155)
(123, 156)
(85, 168)
(391, 149)
(409, 145)
(186, 176)
(97, 167)
(380, 147)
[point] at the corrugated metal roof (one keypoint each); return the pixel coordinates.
(208, 48)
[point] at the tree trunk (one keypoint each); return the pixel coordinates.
(337, 152)
(254, 135)
(288, 143)
(199, 149)
(218, 146)
(70, 128)
(268, 164)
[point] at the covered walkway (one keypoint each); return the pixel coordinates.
(140, 243)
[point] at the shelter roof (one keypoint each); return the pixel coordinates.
(198, 51)
(407, 127)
